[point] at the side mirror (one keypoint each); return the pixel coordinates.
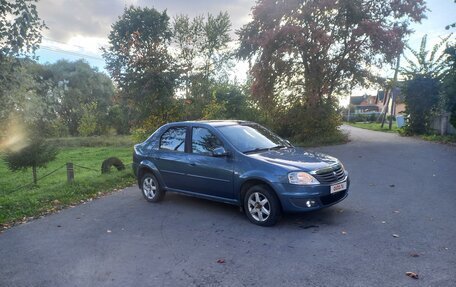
(220, 152)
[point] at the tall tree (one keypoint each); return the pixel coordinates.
(203, 56)
(20, 34)
(205, 40)
(77, 84)
(307, 51)
(188, 36)
(138, 60)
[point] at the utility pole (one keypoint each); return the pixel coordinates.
(390, 94)
(393, 104)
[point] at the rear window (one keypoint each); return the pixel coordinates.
(173, 139)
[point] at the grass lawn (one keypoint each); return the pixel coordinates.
(447, 139)
(376, 127)
(53, 192)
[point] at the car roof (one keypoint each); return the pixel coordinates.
(214, 123)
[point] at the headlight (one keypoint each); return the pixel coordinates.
(302, 178)
(342, 165)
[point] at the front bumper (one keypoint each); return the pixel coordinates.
(294, 198)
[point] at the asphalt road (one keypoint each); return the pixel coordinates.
(400, 186)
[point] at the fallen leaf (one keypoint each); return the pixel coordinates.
(412, 275)
(395, 236)
(221, 261)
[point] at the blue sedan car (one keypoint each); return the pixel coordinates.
(240, 163)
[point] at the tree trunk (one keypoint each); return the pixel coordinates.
(35, 180)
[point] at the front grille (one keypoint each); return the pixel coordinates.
(330, 175)
(331, 198)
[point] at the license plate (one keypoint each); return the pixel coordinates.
(338, 187)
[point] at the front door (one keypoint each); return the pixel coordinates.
(209, 175)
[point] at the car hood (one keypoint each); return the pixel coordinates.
(296, 158)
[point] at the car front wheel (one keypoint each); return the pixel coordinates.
(151, 188)
(262, 206)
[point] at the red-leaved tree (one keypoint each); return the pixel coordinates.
(305, 52)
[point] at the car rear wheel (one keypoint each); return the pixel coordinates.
(262, 206)
(151, 189)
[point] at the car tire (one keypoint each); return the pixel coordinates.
(262, 206)
(151, 189)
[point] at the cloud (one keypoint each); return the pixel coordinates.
(67, 19)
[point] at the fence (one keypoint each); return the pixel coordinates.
(106, 165)
(442, 125)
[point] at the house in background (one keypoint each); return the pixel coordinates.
(364, 104)
(376, 104)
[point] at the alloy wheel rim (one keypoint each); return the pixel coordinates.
(149, 188)
(259, 206)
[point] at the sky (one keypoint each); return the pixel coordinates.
(79, 28)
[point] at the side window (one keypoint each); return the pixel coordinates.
(173, 139)
(204, 142)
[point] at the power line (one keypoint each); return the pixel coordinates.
(70, 53)
(60, 50)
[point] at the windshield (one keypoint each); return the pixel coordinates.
(252, 138)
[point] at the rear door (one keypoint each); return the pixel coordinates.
(171, 158)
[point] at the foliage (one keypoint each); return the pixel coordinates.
(307, 52)
(50, 98)
(430, 64)
(88, 121)
(36, 153)
(20, 28)
(203, 58)
(229, 101)
(22, 95)
(215, 110)
(76, 85)
(449, 84)
(53, 192)
(138, 60)
(421, 95)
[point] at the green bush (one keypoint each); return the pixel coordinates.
(421, 96)
(36, 153)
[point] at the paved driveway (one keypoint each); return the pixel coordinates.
(400, 186)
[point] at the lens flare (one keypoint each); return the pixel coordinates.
(14, 138)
